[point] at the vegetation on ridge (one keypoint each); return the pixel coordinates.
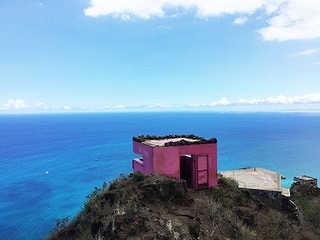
(159, 207)
(308, 201)
(201, 140)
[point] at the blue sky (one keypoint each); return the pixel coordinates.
(110, 55)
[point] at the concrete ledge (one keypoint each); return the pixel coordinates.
(256, 178)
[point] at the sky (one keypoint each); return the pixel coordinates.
(154, 55)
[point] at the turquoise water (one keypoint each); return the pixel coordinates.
(50, 163)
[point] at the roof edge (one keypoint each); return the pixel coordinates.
(200, 140)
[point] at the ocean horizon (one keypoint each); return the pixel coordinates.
(49, 163)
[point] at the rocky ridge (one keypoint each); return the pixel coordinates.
(159, 207)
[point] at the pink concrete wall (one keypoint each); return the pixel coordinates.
(146, 152)
(137, 166)
(166, 160)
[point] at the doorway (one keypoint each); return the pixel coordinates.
(186, 169)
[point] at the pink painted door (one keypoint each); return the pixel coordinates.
(202, 169)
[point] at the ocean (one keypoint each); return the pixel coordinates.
(49, 163)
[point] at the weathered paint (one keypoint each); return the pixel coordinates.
(167, 160)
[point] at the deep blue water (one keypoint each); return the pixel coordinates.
(81, 151)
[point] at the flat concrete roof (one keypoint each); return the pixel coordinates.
(162, 142)
(305, 178)
(256, 178)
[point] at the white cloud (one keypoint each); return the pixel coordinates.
(310, 51)
(294, 19)
(40, 105)
(127, 9)
(290, 101)
(286, 19)
(40, 4)
(15, 104)
(240, 20)
(293, 102)
(272, 6)
(222, 102)
(120, 106)
(252, 101)
(281, 99)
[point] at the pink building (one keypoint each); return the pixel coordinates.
(187, 157)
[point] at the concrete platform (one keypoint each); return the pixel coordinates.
(257, 178)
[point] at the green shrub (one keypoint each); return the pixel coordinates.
(217, 193)
(117, 182)
(229, 182)
(137, 176)
(60, 224)
(94, 193)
